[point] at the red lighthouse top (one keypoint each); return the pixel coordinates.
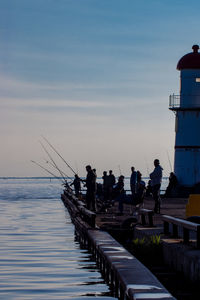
(190, 60)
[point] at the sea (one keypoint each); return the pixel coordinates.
(40, 257)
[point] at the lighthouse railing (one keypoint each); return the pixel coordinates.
(174, 101)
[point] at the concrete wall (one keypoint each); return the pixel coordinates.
(182, 258)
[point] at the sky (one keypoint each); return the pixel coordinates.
(93, 77)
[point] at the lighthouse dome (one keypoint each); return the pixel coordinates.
(190, 60)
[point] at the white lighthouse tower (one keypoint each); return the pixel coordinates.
(187, 126)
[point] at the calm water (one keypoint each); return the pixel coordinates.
(39, 257)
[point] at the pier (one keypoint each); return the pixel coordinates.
(106, 234)
(120, 269)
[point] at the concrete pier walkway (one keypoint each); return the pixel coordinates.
(181, 257)
(130, 278)
(169, 206)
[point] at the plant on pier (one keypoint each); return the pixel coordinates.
(148, 250)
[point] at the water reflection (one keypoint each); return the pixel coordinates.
(39, 258)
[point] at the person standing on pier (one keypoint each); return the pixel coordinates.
(133, 181)
(111, 183)
(105, 185)
(171, 190)
(156, 179)
(91, 189)
(118, 190)
(77, 185)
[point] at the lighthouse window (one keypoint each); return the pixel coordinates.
(197, 79)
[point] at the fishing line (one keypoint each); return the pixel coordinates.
(54, 164)
(58, 154)
(120, 172)
(48, 162)
(147, 167)
(48, 171)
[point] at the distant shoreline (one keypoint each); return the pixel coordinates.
(49, 177)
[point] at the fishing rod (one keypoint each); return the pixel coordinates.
(76, 167)
(48, 171)
(169, 161)
(120, 172)
(54, 164)
(148, 173)
(48, 162)
(59, 154)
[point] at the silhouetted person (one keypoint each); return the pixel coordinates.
(139, 178)
(119, 187)
(111, 183)
(139, 195)
(77, 185)
(91, 188)
(156, 179)
(171, 188)
(95, 172)
(122, 198)
(105, 185)
(133, 181)
(149, 188)
(140, 188)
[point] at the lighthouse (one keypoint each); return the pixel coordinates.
(186, 107)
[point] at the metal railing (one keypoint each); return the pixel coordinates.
(174, 101)
(192, 103)
(186, 227)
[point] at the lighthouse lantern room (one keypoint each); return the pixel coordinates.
(187, 125)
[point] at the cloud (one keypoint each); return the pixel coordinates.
(42, 103)
(16, 85)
